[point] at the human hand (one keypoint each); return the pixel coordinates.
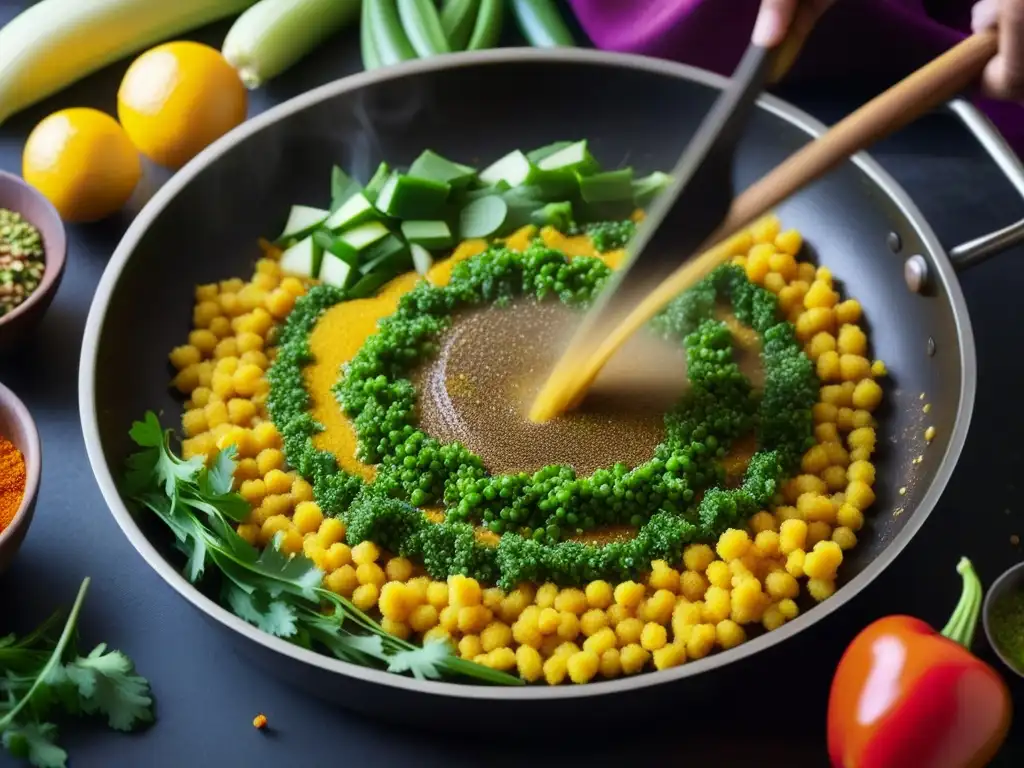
(775, 18)
(1004, 75)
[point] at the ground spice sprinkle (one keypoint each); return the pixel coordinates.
(12, 481)
(21, 260)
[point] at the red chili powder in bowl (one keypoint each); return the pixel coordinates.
(12, 481)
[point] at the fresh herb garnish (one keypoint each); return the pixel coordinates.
(278, 593)
(41, 674)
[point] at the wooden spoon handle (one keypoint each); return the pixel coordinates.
(934, 84)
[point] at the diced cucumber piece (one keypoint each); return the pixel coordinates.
(607, 187)
(476, 194)
(538, 154)
(553, 186)
(557, 215)
(430, 165)
(302, 259)
(422, 261)
(410, 197)
(649, 187)
(336, 272)
(343, 187)
(376, 182)
(483, 217)
(521, 202)
(333, 244)
(392, 251)
(364, 235)
(356, 210)
(302, 219)
(434, 235)
(514, 169)
(574, 157)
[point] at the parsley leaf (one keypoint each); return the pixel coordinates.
(37, 681)
(279, 593)
(107, 684)
(423, 662)
(35, 742)
(273, 616)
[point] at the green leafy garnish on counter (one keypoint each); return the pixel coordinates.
(278, 593)
(43, 673)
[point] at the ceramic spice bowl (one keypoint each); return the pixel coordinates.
(17, 426)
(18, 196)
(1003, 618)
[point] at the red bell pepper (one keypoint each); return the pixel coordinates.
(906, 696)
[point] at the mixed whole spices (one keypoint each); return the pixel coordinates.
(21, 260)
(12, 481)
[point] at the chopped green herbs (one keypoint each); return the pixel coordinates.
(21, 260)
(533, 513)
(281, 594)
(43, 673)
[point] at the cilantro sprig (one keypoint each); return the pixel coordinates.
(43, 673)
(280, 594)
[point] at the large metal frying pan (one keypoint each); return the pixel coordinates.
(202, 226)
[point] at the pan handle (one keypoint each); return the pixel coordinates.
(977, 250)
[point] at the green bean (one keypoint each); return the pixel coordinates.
(487, 28)
(392, 45)
(541, 23)
(457, 18)
(423, 27)
(367, 44)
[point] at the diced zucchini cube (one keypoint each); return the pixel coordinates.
(574, 157)
(430, 165)
(302, 259)
(365, 235)
(434, 235)
(422, 261)
(356, 210)
(302, 219)
(336, 272)
(410, 197)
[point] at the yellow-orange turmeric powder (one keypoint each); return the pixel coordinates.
(12, 481)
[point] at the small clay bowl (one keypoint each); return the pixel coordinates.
(1012, 580)
(17, 426)
(17, 196)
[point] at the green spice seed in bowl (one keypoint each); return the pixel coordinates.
(1004, 618)
(32, 256)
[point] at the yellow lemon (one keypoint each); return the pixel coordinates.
(177, 98)
(82, 162)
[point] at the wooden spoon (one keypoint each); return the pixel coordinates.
(932, 85)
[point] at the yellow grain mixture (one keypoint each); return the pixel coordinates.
(714, 598)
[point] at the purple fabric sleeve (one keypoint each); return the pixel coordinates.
(878, 41)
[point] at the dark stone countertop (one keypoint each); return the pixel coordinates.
(207, 695)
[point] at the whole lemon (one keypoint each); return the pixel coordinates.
(82, 162)
(178, 97)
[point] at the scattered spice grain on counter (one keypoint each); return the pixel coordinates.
(760, 483)
(21, 260)
(12, 481)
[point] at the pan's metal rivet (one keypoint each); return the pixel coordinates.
(931, 349)
(894, 242)
(915, 272)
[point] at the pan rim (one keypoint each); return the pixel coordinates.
(944, 273)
